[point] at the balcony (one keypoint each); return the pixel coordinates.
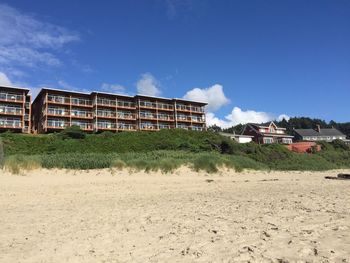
(163, 117)
(106, 114)
(166, 107)
(126, 105)
(149, 127)
(198, 120)
(57, 124)
(58, 99)
(148, 105)
(81, 114)
(10, 124)
(7, 110)
(106, 126)
(11, 97)
(81, 102)
(58, 112)
(83, 125)
(148, 116)
(126, 116)
(106, 102)
(188, 108)
(165, 126)
(184, 118)
(126, 127)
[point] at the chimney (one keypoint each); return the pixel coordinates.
(318, 129)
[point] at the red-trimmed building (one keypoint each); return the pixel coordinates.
(15, 109)
(267, 133)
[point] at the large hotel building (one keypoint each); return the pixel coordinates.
(15, 109)
(54, 110)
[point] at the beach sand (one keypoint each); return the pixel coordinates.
(117, 216)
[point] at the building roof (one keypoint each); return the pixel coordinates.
(15, 88)
(322, 133)
(266, 125)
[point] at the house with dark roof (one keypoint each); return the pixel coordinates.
(267, 133)
(319, 134)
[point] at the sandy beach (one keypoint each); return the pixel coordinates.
(117, 216)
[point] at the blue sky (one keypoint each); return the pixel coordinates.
(251, 60)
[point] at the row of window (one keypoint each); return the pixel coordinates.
(120, 103)
(10, 122)
(325, 138)
(57, 123)
(269, 140)
(8, 109)
(8, 96)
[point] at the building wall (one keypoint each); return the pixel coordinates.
(15, 110)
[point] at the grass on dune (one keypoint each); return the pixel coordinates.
(165, 150)
(165, 161)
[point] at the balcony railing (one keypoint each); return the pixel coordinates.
(106, 125)
(81, 114)
(11, 110)
(4, 123)
(126, 104)
(148, 126)
(106, 114)
(194, 119)
(190, 108)
(81, 102)
(165, 117)
(58, 112)
(124, 126)
(57, 124)
(128, 116)
(58, 99)
(11, 97)
(165, 126)
(148, 115)
(165, 106)
(83, 125)
(106, 102)
(184, 118)
(148, 104)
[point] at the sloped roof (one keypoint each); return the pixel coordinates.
(314, 133)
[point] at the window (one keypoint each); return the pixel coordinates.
(268, 140)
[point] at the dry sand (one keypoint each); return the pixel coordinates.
(99, 216)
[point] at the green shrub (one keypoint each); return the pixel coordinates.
(73, 132)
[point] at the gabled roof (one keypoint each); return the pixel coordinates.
(266, 125)
(322, 133)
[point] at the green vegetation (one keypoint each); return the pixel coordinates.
(165, 150)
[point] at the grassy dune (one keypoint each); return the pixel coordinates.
(164, 150)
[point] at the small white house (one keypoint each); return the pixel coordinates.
(240, 138)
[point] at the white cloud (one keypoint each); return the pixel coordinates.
(238, 116)
(214, 96)
(113, 88)
(26, 41)
(4, 80)
(148, 85)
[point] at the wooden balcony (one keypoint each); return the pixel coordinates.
(11, 99)
(12, 113)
